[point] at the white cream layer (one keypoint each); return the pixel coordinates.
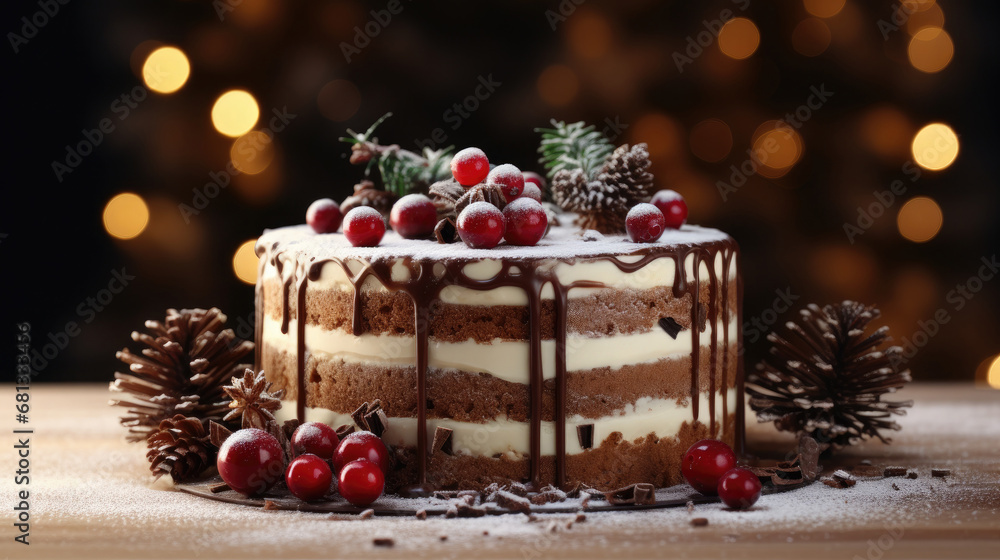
(505, 359)
(662, 417)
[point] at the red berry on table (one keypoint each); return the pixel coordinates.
(361, 445)
(532, 191)
(361, 482)
(509, 179)
(316, 438)
(250, 461)
(308, 477)
(413, 216)
(526, 221)
(704, 464)
(644, 223)
(470, 166)
(481, 225)
(535, 178)
(739, 488)
(364, 226)
(324, 216)
(672, 204)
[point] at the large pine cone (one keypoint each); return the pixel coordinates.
(180, 448)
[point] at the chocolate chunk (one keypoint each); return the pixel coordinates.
(367, 514)
(938, 473)
(894, 487)
(386, 542)
(442, 440)
(585, 433)
(580, 517)
(639, 493)
(845, 479)
(809, 458)
(421, 514)
(699, 522)
(512, 502)
(671, 326)
(464, 510)
(217, 433)
(344, 431)
(377, 422)
(220, 487)
(832, 482)
(359, 417)
(518, 489)
(289, 426)
(866, 471)
(548, 495)
(911, 475)
(894, 471)
(443, 538)
(490, 490)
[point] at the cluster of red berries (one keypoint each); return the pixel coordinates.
(251, 461)
(647, 221)
(709, 466)
(482, 225)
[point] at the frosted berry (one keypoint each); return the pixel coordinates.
(470, 166)
(704, 464)
(361, 445)
(308, 477)
(509, 179)
(481, 225)
(526, 222)
(535, 178)
(739, 488)
(644, 223)
(250, 461)
(364, 226)
(532, 191)
(674, 209)
(361, 482)
(324, 216)
(413, 216)
(316, 438)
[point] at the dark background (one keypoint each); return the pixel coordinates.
(56, 253)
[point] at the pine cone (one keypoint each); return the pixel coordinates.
(252, 401)
(180, 448)
(365, 194)
(627, 171)
(187, 359)
(826, 379)
(450, 198)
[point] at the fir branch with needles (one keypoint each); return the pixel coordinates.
(573, 146)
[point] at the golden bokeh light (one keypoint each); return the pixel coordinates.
(252, 152)
(166, 70)
(930, 16)
(930, 49)
(844, 270)
(339, 100)
(558, 85)
(886, 131)
(661, 133)
(245, 262)
(776, 148)
(588, 34)
(235, 113)
(811, 37)
(711, 140)
(935, 146)
(993, 374)
(126, 216)
(739, 38)
(920, 219)
(824, 8)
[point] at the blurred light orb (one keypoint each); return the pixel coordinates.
(824, 8)
(661, 133)
(166, 70)
(739, 38)
(776, 148)
(126, 216)
(935, 146)
(245, 262)
(993, 374)
(920, 219)
(252, 152)
(811, 37)
(339, 100)
(930, 49)
(235, 113)
(711, 140)
(558, 85)
(916, 19)
(588, 34)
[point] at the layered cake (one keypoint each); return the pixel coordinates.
(584, 358)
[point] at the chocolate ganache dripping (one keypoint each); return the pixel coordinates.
(424, 287)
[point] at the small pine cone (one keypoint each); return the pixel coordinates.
(180, 447)
(365, 194)
(481, 193)
(598, 205)
(627, 171)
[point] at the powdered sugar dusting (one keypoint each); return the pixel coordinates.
(410, 201)
(666, 195)
(643, 210)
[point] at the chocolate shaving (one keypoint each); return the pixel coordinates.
(217, 433)
(866, 471)
(517, 489)
(699, 522)
(548, 495)
(367, 514)
(359, 417)
(911, 475)
(386, 542)
(839, 479)
(579, 489)
(809, 458)
(894, 471)
(671, 326)
(442, 440)
(344, 431)
(639, 493)
(512, 502)
(938, 473)
(421, 514)
(585, 433)
(377, 422)
(220, 487)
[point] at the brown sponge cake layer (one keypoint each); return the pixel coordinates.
(479, 397)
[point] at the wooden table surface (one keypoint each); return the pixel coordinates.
(91, 497)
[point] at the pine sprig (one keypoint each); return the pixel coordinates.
(402, 171)
(573, 146)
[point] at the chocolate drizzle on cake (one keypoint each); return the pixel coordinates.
(427, 278)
